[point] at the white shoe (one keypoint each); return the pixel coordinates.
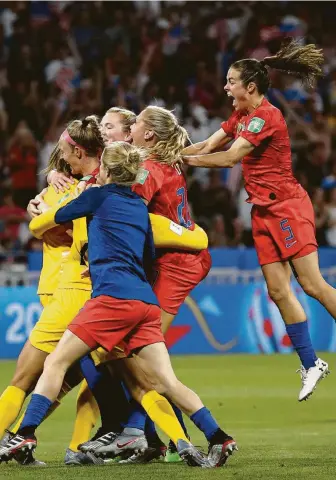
(311, 377)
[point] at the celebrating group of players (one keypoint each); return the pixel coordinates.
(145, 254)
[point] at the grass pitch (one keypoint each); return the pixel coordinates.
(254, 398)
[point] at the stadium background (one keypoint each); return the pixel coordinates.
(64, 60)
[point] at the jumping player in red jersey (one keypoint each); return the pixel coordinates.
(282, 215)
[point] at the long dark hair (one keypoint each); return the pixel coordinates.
(302, 61)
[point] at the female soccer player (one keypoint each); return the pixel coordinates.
(123, 306)
(162, 185)
(282, 214)
(81, 146)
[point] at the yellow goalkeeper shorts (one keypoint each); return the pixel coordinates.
(45, 298)
(56, 316)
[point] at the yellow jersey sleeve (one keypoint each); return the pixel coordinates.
(168, 234)
(53, 256)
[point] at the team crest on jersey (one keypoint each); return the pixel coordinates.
(240, 127)
(141, 176)
(256, 125)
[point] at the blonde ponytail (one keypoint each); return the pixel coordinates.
(171, 137)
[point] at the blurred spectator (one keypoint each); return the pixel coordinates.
(22, 163)
(11, 216)
(331, 218)
(321, 215)
(244, 215)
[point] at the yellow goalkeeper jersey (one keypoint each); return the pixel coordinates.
(53, 256)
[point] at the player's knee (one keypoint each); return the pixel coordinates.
(167, 386)
(278, 293)
(25, 379)
(313, 288)
(55, 363)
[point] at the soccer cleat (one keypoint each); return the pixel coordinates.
(23, 458)
(171, 454)
(17, 444)
(5, 439)
(153, 452)
(311, 377)
(97, 441)
(192, 456)
(79, 458)
(219, 453)
(122, 444)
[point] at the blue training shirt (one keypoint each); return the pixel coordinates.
(120, 239)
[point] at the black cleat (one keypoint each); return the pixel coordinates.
(18, 445)
(220, 451)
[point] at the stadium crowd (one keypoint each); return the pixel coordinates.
(65, 60)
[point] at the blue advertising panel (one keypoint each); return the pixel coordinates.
(216, 319)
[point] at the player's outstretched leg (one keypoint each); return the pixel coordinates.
(69, 349)
(313, 369)
(162, 376)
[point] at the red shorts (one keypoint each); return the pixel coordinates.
(284, 230)
(172, 282)
(107, 321)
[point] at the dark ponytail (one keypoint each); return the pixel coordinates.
(302, 61)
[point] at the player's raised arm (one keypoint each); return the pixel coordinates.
(77, 208)
(239, 149)
(217, 140)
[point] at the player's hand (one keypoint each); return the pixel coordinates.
(40, 196)
(85, 273)
(43, 206)
(60, 181)
(33, 209)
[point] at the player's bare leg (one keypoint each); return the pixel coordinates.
(312, 282)
(166, 320)
(28, 369)
(277, 276)
(161, 375)
(313, 369)
(171, 455)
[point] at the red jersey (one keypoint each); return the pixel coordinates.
(267, 169)
(164, 188)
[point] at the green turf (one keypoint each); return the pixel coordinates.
(253, 397)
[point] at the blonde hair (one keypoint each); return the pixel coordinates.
(127, 117)
(171, 137)
(122, 162)
(56, 162)
(86, 133)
